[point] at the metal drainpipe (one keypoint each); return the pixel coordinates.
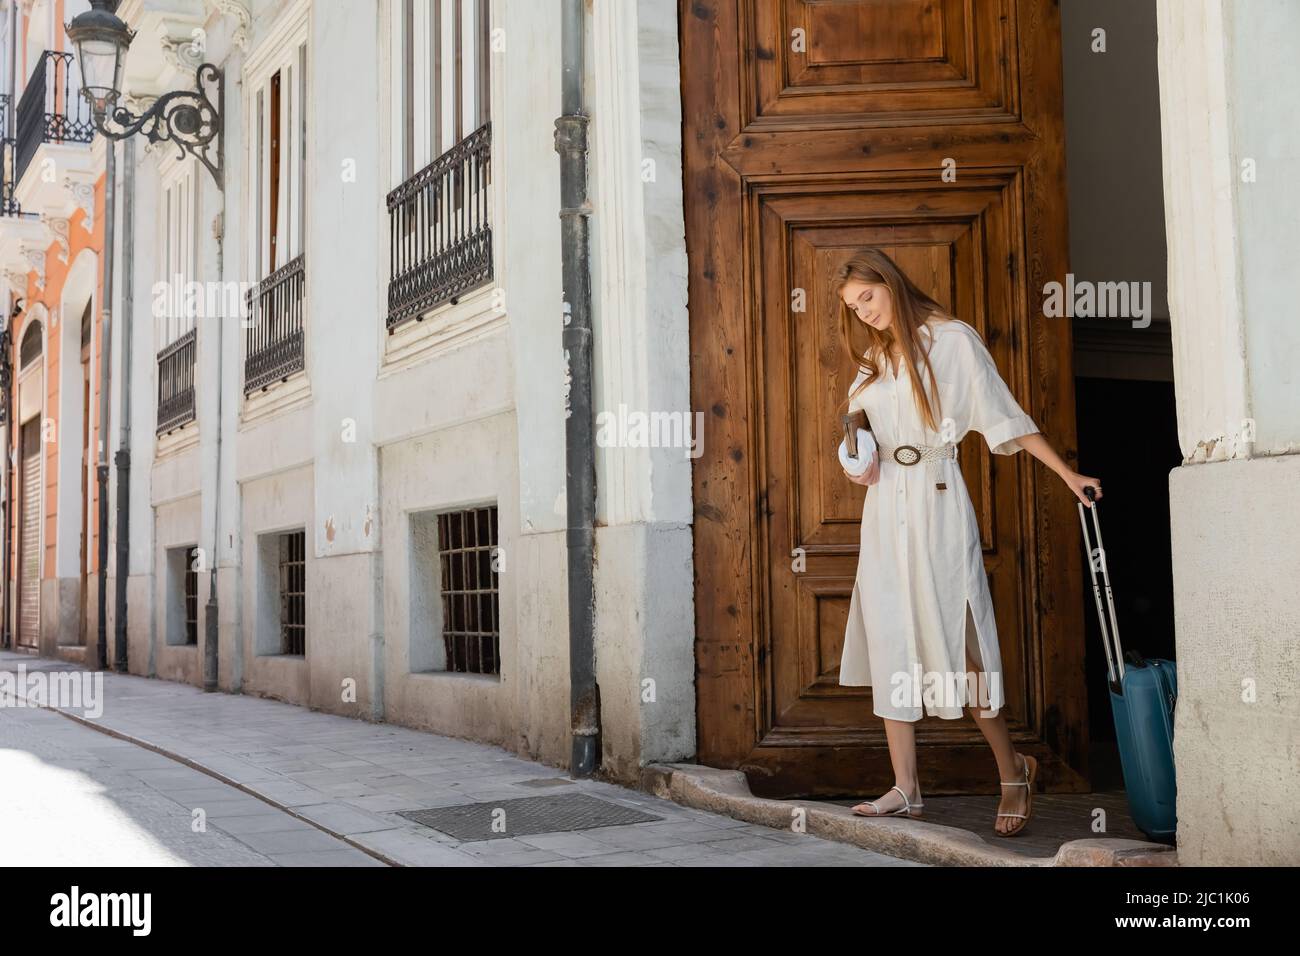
(210, 630)
(579, 438)
(122, 569)
(7, 379)
(105, 382)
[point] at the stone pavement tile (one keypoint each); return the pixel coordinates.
(573, 845)
(507, 852)
(270, 822)
(714, 820)
(345, 763)
(556, 863)
(772, 833)
(127, 756)
(716, 859)
(685, 851)
(302, 840)
(413, 850)
(342, 791)
(630, 838)
(384, 802)
(809, 856)
(626, 858)
(222, 859)
(321, 779)
(740, 844)
(288, 793)
(345, 820)
(290, 767)
(175, 776)
(688, 833)
(347, 857)
(238, 805)
(193, 796)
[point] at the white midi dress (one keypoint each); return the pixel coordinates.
(920, 562)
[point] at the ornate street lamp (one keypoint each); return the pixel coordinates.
(191, 121)
(184, 117)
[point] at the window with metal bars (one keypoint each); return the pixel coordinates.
(192, 596)
(471, 633)
(440, 233)
(293, 593)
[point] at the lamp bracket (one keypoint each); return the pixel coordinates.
(187, 118)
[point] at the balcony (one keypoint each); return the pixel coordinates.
(51, 110)
(176, 383)
(274, 339)
(8, 161)
(440, 231)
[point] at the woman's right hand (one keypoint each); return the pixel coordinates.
(868, 477)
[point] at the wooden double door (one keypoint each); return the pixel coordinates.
(932, 129)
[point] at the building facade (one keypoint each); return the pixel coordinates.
(369, 454)
(51, 237)
(345, 392)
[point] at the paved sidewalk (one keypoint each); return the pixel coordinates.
(349, 778)
(75, 797)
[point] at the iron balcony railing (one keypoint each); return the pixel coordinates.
(274, 339)
(8, 160)
(8, 202)
(176, 383)
(52, 109)
(440, 233)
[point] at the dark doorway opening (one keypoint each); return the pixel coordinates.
(1124, 394)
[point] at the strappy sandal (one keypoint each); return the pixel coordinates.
(904, 811)
(1031, 771)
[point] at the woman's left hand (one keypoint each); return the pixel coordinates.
(1078, 482)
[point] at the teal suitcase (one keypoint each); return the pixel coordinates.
(1142, 700)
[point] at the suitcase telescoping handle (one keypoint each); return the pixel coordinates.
(1097, 560)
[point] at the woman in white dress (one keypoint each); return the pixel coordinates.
(921, 608)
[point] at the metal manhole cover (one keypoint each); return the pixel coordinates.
(525, 816)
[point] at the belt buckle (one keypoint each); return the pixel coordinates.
(914, 456)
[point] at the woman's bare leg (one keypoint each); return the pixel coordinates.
(993, 726)
(901, 735)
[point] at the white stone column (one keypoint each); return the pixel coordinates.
(644, 580)
(1233, 221)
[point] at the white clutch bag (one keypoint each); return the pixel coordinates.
(866, 454)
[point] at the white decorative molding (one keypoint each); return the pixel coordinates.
(83, 196)
(35, 257)
(178, 52)
(138, 103)
(17, 279)
(243, 19)
(59, 232)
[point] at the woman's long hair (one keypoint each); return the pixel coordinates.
(911, 308)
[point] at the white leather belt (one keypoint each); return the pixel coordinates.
(915, 454)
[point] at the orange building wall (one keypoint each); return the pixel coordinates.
(56, 273)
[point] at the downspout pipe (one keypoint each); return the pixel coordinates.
(122, 567)
(105, 382)
(210, 613)
(7, 383)
(579, 431)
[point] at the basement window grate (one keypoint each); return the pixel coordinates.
(526, 816)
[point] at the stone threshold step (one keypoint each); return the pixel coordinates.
(727, 792)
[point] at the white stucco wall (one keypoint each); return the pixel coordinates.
(1226, 71)
(466, 409)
